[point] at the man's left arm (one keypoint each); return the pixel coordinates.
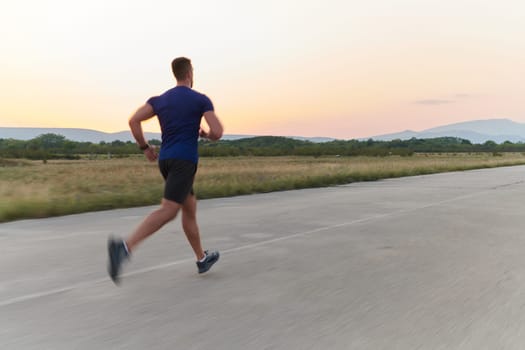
(135, 123)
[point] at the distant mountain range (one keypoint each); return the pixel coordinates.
(477, 131)
(88, 135)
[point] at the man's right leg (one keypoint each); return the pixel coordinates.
(205, 259)
(189, 225)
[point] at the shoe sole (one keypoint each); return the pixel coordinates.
(112, 268)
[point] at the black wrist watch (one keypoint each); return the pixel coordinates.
(145, 147)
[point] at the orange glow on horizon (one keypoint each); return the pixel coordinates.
(363, 69)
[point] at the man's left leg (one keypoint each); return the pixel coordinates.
(119, 251)
(153, 222)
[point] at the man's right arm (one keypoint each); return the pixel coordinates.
(216, 129)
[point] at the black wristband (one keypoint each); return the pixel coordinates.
(145, 147)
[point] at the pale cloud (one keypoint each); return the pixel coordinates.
(452, 98)
(433, 102)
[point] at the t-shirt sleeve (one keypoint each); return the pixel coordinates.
(152, 101)
(207, 105)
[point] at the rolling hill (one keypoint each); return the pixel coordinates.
(476, 131)
(88, 135)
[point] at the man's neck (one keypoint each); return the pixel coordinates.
(186, 83)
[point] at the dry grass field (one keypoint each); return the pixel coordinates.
(30, 189)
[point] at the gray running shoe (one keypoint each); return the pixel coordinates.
(117, 255)
(211, 258)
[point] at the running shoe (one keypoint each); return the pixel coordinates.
(117, 255)
(211, 258)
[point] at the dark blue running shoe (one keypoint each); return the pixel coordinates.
(211, 258)
(117, 255)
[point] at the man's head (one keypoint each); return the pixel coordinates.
(182, 69)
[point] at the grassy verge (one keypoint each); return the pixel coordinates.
(34, 189)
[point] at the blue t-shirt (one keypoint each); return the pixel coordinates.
(180, 111)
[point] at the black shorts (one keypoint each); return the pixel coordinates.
(178, 176)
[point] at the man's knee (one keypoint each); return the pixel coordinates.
(170, 208)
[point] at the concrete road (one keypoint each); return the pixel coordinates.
(427, 262)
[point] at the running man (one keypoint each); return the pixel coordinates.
(179, 111)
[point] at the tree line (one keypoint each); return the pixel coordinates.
(53, 146)
(282, 146)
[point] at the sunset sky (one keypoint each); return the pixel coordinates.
(343, 69)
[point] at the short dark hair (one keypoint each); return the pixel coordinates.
(181, 66)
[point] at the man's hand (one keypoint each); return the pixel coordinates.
(151, 153)
(203, 133)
